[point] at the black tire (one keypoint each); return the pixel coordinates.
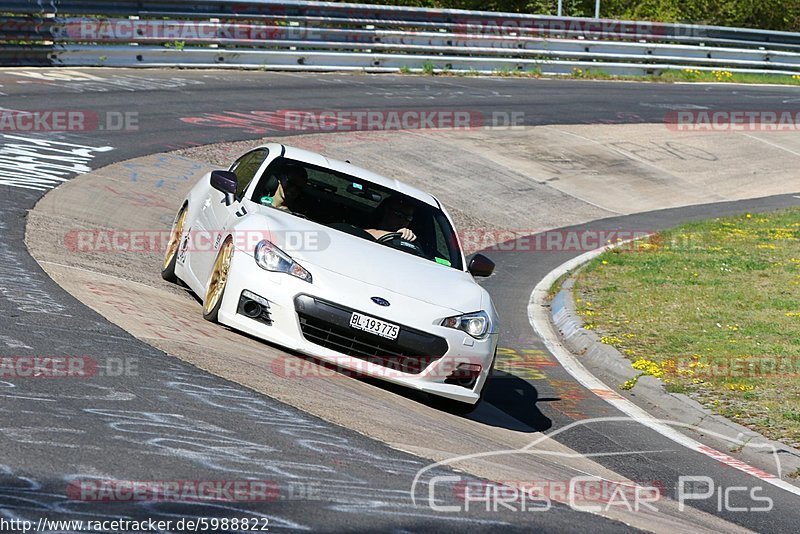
(171, 256)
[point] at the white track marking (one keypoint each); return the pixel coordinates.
(13, 343)
(539, 318)
(779, 147)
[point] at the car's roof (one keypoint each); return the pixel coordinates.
(314, 158)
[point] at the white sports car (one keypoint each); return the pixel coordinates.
(339, 263)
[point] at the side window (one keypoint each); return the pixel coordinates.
(246, 167)
(442, 248)
(446, 244)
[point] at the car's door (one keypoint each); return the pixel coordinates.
(218, 214)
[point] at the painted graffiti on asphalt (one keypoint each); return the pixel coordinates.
(42, 164)
(75, 81)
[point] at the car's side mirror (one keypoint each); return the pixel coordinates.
(224, 181)
(480, 265)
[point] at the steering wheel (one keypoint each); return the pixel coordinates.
(395, 240)
(391, 236)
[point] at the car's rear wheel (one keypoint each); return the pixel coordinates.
(171, 256)
(217, 282)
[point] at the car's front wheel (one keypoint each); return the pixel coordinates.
(171, 256)
(218, 281)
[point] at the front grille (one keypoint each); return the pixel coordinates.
(327, 325)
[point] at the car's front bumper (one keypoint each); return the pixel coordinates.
(313, 318)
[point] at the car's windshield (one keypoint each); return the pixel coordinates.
(358, 207)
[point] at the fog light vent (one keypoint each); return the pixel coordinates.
(465, 375)
(255, 307)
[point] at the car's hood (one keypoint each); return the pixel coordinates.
(312, 244)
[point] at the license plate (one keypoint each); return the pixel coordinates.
(374, 326)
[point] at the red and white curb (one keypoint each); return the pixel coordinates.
(539, 318)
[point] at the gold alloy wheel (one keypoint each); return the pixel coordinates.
(175, 239)
(219, 277)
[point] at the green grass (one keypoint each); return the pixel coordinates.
(592, 74)
(556, 287)
(713, 309)
(690, 75)
(504, 71)
(177, 45)
(671, 76)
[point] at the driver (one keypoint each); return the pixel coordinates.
(397, 215)
(291, 181)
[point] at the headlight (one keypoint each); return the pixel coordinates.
(475, 324)
(271, 258)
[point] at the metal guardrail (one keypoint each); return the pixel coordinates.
(294, 34)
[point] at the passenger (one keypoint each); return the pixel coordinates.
(394, 215)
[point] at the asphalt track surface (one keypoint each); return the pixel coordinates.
(171, 421)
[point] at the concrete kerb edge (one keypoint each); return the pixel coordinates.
(615, 368)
